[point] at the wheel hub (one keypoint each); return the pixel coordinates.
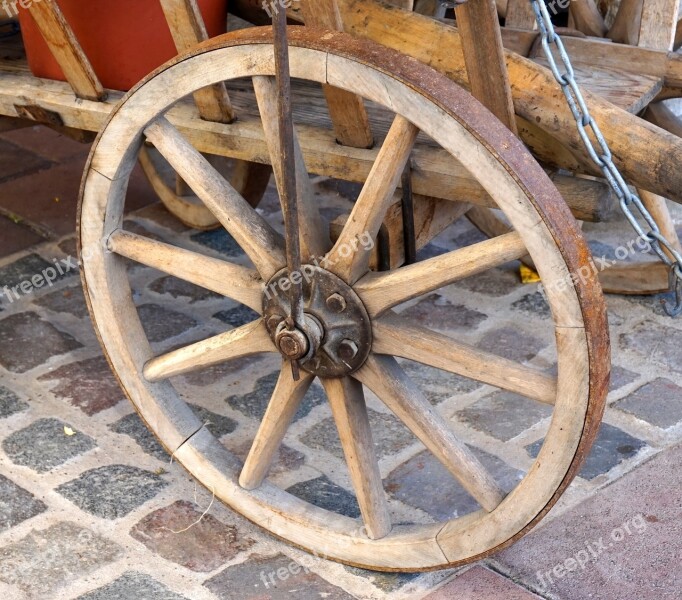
(336, 336)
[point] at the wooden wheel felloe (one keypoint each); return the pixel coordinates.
(372, 333)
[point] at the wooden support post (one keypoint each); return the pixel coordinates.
(66, 50)
(658, 24)
(519, 15)
(188, 29)
(347, 111)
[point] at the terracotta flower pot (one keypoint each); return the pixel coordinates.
(125, 40)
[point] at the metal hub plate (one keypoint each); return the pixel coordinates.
(336, 322)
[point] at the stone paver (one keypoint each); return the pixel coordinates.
(286, 459)
(386, 582)
(133, 426)
(479, 583)
(17, 504)
(324, 493)
(658, 403)
(423, 482)
(27, 341)
(113, 491)
(220, 241)
(256, 402)
(512, 344)
(70, 300)
(16, 237)
(533, 304)
(621, 377)
(16, 162)
(44, 445)
(438, 313)
(178, 288)
(10, 403)
(45, 561)
(495, 282)
(655, 343)
(390, 436)
(611, 448)
(161, 324)
(504, 415)
(241, 315)
(23, 270)
(182, 534)
(620, 544)
(273, 578)
(438, 385)
(133, 585)
(88, 384)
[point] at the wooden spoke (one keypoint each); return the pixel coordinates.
(381, 291)
(246, 340)
(395, 337)
(233, 281)
(283, 405)
(349, 258)
(350, 414)
(261, 243)
(314, 233)
(388, 381)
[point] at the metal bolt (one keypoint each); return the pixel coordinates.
(336, 303)
(292, 344)
(348, 350)
(273, 321)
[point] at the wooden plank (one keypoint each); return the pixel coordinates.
(625, 28)
(66, 50)
(484, 58)
(520, 15)
(658, 24)
(587, 18)
(347, 111)
(188, 29)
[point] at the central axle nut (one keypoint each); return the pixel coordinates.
(292, 343)
(348, 350)
(336, 303)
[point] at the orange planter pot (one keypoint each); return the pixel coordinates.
(125, 40)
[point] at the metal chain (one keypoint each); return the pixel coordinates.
(602, 157)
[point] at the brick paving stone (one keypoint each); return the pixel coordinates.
(386, 582)
(324, 493)
(504, 415)
(47, 143)
(89, 384)
(533, 304)
(643, 564)
(423, 482)
(27, 267)
(10, 403)
(273, 578)
(611, 448)
(238, 316)
(16, 504)
(211, 375)
(161, 324)
(113, 491)
(69, 300)
(178, 288)
(656, 343)
(621, 377)
(132, 425)
(16, 162)
(286, 459)
(658, 403)
(256, 402)
(182, 534)
(479, 583)
(512, 344)
(390, 436)
(27, 341)
(15, 237)
(44, 445)
(159, 214)
(437, 312)
(438, 385)
(43, 562)
(220, 241)
(495, 282)
(133, 585)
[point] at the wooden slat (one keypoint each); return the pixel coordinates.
(66, 50)
(188, 29)
(247, 340)
(348, 114)
(347, 402)
(285, 400)
(259, 241)
(394, 336)
(658, 24)
(625, 28)
(484, 58)
(387, 380)
(520, 15)
(587, 18)
(230, 280)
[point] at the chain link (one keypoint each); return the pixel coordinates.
(600, 153)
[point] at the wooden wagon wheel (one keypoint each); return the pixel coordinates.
(372, 333)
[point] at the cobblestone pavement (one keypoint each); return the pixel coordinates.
(91, 507)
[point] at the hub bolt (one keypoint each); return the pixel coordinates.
(336, 303)
(348, 350)
(292, 344)
(273, 321)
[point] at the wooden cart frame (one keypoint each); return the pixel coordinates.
(390, 123)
